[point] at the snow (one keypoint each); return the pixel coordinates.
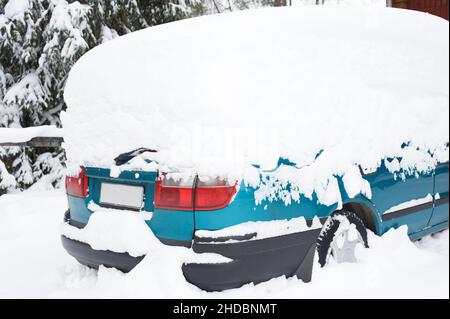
(108, 33)
(21, 135)
(216, 94)
(37, 266)
(262, 229)
(410, 203)
(114, 230)
(50, 171)
(381, 3)
(7, 181)
(28, 91)
(70, 18)
(14, 9)
(355, 184)
(233, 5)
(126, 231)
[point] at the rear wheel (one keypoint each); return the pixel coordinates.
(340, 235)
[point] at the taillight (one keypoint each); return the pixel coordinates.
(173, 195)
(78, 185)
(213, 197)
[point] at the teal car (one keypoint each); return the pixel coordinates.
(195, 214)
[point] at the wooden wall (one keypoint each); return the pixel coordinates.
(436, 7)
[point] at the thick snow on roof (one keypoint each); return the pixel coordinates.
(217, 93)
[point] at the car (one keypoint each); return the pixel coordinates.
(362, 152)
(181, 210)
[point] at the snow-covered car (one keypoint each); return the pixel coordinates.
(261, 136)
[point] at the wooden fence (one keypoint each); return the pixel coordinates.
(37, 136)
(38, 141)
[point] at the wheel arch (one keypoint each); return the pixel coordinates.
(366, 213)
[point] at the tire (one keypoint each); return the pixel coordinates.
(335, 226)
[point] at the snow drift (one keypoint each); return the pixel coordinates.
(329, 88)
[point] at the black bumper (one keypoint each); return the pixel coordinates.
(93, 258)
(252, 260)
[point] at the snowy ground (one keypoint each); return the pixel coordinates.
(34, 264)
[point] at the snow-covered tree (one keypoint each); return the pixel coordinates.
(40, 40)
(219, 6)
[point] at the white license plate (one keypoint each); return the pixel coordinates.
(127, 196)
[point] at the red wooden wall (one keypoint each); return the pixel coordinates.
(436, 7)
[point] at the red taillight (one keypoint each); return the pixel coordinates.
(169, 195)
(78, 185)
(173, 197)
(213, 197)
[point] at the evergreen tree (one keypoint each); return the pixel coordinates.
(40, 40)
(219, 6)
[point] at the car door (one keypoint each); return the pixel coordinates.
(440, 210)
(402, 201)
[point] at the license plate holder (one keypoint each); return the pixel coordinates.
(122, 195)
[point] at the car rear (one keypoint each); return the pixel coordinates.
(181, 206)
(171, 199)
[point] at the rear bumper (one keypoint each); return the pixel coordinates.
(252, 260)
(93, 258)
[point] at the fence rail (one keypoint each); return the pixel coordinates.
(38, 141)
(37, 136)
